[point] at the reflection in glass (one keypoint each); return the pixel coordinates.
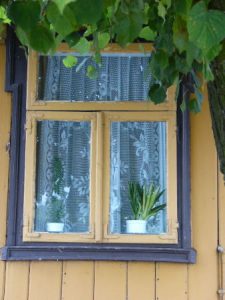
(120, 78)
(138, 155)
(62, 179)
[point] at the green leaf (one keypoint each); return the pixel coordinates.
(192, 53)
(166, 3)
(70, 61)
(207, 72)
(147, 33)
(103, 40)
(157, 93)
(183, 7)
(205, 27)
(83, 46)
(92, 72)
(161, 58)
(25, 14)
(22, 36)
(87, 11)
(180, 35)
(161, 10)
(41, 39)
(72, 39)
(128, 26)
(61, 4)
(60, 23)
(3, 16)
(213, 52)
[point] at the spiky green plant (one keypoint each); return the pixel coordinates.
(145, 200)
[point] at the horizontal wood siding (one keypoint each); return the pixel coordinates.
(120, 280)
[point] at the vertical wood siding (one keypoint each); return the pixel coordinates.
(203, 276)
(133, 280)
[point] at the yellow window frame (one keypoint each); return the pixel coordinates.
(30, 177)
(100, 114)
(171, 235)
(39, 104)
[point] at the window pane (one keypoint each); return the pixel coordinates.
(138, 156)
(120, 78)
(62, 179)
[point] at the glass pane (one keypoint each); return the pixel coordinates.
(62, 178)
(138, 164)
(120, 78)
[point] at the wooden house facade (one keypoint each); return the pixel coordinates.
(89, 279)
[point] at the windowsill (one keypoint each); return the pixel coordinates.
(113, 252)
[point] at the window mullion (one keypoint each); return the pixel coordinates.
(99, 179)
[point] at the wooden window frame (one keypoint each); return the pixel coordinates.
(171, 236)
(38, 104)
(29, 234)
(17, 249)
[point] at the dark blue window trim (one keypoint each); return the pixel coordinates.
(16, 249)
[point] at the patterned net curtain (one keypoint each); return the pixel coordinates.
(138, 149)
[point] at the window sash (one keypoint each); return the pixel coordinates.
(29, 234)
(171, 236)
(100, 178)
(39, 104)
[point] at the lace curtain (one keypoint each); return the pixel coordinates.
(138, 149)
(120, 78)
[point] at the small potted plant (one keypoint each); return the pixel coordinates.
(56, 203)
(55, 214)
(144, 204)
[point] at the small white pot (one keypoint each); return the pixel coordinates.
(136, 226)
(55, 227)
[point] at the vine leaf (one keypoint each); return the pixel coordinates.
(61, 4)
(41, 39)
(3, 16)
(86, 11)
(205, 27)
(103, 39)
(25, 14)
(157, 93)
(83, 46)
(147, 33)
(70, 61)
(92, 73)
(60, 22)
(129, 21)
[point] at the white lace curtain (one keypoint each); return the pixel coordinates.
(120, 78)
(138, 149)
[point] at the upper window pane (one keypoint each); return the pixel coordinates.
(62, 178)
(120, 77)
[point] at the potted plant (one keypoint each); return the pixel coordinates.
(144, 204)
(56, 203)
(55, 213)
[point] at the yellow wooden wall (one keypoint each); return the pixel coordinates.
(133, 280)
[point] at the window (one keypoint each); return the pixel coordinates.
(89, 144)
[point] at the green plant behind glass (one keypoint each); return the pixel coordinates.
(56, 203)
(145, 200)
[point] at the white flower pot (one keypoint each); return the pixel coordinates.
(136, 226)
(55, 227)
